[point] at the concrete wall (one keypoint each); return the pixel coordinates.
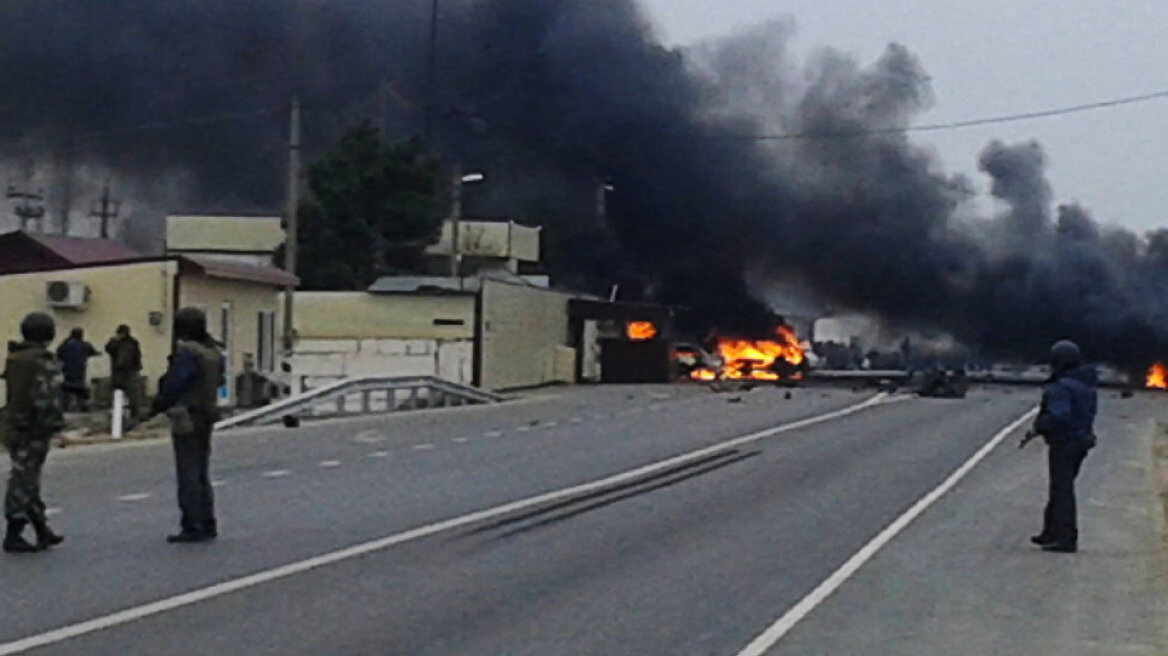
(321, 361)
(328, 315)
(525, 337)
(490, 239)
(246, 301)
(118, 294)
(344, 334)
(224, 233)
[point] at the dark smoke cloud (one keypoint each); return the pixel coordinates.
(553, 97)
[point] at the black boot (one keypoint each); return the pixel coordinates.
(45, 536)
(14, 542)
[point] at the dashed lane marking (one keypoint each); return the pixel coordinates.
(379, 454)
(137, 496)
(277, 473)
(493, 433)
(422, 447)
(53, 512)
(185, 599)
(461, 440)
(330, 464)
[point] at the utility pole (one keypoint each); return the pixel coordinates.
(105, 210)
(292, 228)
(455, 221)
(431, 77)
(26, 211)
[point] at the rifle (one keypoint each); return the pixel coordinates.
(1030, 435)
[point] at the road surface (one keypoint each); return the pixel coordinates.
(611, 520)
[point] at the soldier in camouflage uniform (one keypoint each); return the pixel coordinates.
(32, 417)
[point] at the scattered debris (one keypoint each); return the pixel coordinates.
(291, 421)
(942, 384)
(1126, 394)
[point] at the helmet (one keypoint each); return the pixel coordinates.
(38, 327)
(190, 324)
(1065, 354)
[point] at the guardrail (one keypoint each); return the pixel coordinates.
(364, 395)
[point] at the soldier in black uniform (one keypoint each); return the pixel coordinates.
(189, 397)
(32, 417)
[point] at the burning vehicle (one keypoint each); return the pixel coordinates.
(781, 358)
(1157, 377)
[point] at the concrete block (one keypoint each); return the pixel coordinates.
(325, 346)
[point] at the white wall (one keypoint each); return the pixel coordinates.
(321, 361)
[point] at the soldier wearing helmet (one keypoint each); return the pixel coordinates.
(1066, 422)
(32, 417)
(189, 397)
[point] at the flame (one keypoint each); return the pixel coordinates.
(704, 375)
(641, 331)
(756, 359)
(1157, 376)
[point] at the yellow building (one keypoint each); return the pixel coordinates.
(241, 300)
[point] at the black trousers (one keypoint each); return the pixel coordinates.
(1060, 521)
(192, 462)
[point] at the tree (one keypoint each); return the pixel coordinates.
(372, 210)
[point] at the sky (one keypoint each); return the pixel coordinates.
(998, 57)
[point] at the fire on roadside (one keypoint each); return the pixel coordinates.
(1157, 376)
(757, 359)
(641, 331)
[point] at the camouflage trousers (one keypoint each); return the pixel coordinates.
(22, 500)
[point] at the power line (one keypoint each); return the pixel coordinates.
(955, 125)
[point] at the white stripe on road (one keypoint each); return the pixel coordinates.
(769, 638)
(461, 440)
(218, 483)
(227, 587)
(379, 454)
(329, 464)
(53, 512)
(277, 473)
(134, 497)
(494, 433)
(422, 447)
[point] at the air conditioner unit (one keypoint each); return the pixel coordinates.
(67, 294)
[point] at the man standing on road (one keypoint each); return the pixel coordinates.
(74, 354)
(125, 365)
(189, 396)
(1067, 422)
(33, 417)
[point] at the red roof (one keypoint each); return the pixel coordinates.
(77, 250)
(217, 268)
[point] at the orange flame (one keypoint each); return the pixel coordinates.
(1157, 376)
(641, 331)
(704, 375)
(755, 359)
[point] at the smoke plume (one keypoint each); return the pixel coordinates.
(553, 98)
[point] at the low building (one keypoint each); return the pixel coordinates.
(82, 284)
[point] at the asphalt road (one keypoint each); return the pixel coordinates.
(697, 556)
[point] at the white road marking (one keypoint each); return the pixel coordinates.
(576, 420)
(379, 454)
(551, 424)
(461, 440)
(277, 473)
(138, 496)
(219, 483)
(775, 632)
(369, 437)
(524, 429)
(494, 433)
(53, 512)
(329, 464)
(422, 447)
(266, 576)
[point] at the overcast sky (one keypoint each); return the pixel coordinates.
(994, 57)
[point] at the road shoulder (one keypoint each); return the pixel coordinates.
(964, 579)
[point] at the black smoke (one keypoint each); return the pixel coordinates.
(552, 98)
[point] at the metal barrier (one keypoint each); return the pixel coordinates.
(364, 395)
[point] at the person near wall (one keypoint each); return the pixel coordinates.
(32, 416)
(74, 354)
(125, 367)
(188, 395)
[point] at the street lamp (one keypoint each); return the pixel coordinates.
(456, 218)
